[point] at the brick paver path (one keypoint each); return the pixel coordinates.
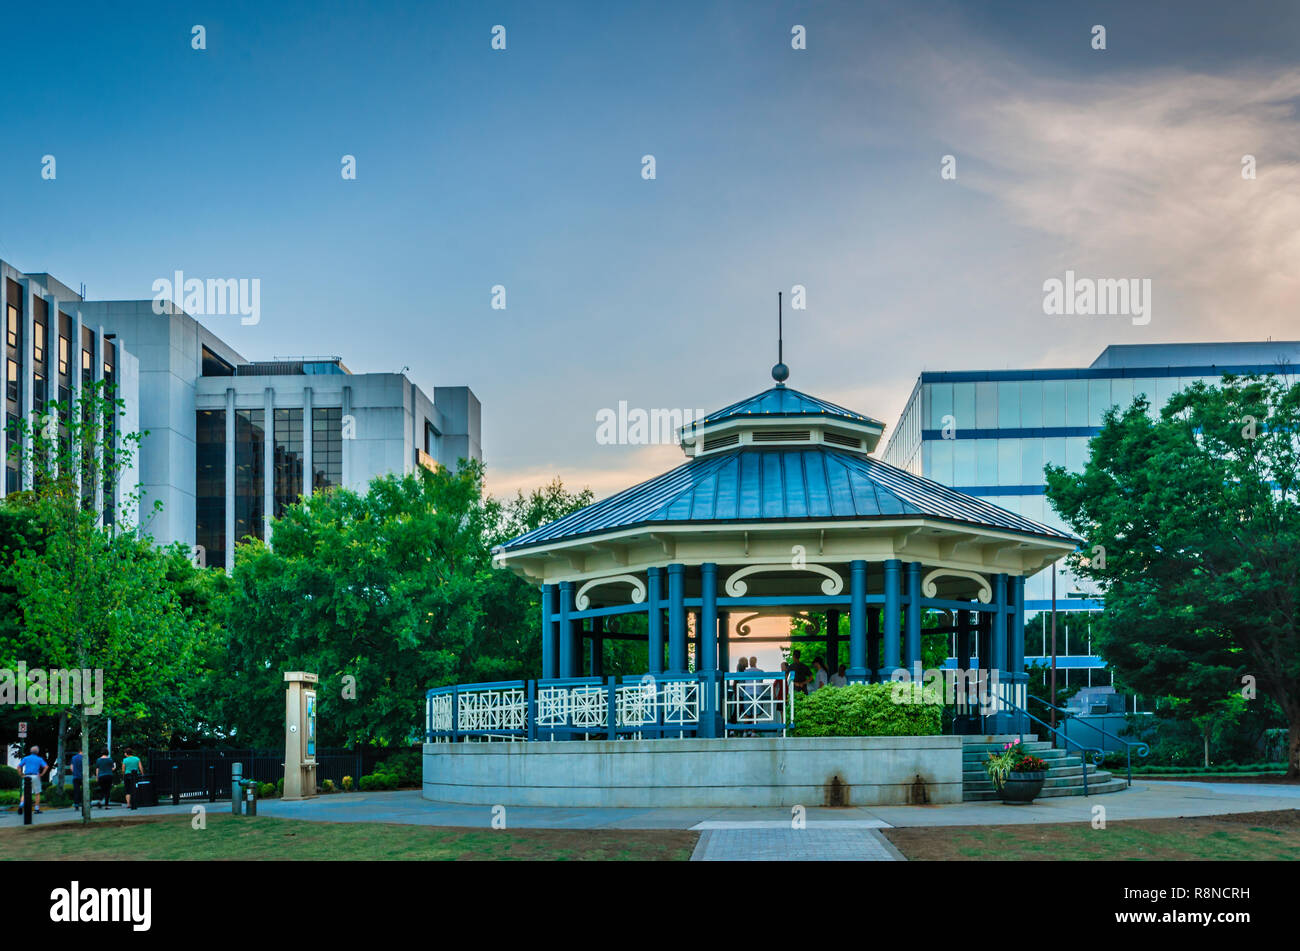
(766, 844)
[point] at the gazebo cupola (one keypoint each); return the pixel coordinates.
(781, 416)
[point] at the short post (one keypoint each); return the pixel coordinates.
(250, 795)
(27, 800)
(176, 785)
(236, 786)
(212, 784)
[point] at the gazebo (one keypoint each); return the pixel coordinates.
(779, 509)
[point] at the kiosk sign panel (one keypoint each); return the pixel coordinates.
(311, 723)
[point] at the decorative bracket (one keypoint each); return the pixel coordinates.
(736, 587)
(582, 602)
(929, 589)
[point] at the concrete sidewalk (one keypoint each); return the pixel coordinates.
(1146, 800)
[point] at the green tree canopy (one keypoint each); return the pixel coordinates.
(1193, 532)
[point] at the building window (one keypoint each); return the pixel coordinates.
(110, 431)
(250, 486)
(326, 447)
(288, 458)
(210, 485)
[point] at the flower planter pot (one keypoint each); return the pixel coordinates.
(1021, 788)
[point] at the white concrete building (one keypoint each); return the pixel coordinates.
(230, 442)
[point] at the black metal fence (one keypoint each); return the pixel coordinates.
(205, 774)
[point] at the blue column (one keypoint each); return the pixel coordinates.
(655, 619)
(858, 621)
(1002, 721)
(549, 656)
(706, 651)
(677, 619)
(998, 647)
(912, 643)
(963, 640)
(568, 656)
(893, 596)
(706, 646)
(1018, 625)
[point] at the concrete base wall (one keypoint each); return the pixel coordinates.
(809, 771)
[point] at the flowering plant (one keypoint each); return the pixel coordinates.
(1011, 759)
(1030, 764)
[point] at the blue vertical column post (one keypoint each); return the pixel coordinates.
(1017, 659)
(998, 649)
(568, 657)
(893, 596)
(550, 657)
(1018, 645)
(857, 621)
(677, 619)
(655, 619)
(912, 642)
(706, 648)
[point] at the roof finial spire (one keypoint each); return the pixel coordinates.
(780, 372)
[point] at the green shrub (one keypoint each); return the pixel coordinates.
(327, 786)
(265, 790)
(279, 786)
(867, 710)
(347, 784)
(406, 765)
(9, 797)
(56, 796)
(378, 781)
(9, 778)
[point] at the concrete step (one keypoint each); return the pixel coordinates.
(1051, 782)
(1074, 769)
(1112, 785)
(1029, 745)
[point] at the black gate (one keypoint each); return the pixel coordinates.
(205, 774)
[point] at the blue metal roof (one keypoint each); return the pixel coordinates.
(781, 484)
(783, 401)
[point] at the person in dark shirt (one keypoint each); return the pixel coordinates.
(104, 769)
(802, 672)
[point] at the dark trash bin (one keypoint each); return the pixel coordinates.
(145, 794)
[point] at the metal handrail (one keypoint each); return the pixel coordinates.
(1100, 755)
(1143, 748)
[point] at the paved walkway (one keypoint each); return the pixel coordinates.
(766, 844)
(763, 833)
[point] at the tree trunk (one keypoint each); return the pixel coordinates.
(86, 771)
(1205, 739)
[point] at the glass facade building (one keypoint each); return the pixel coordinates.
(989, 433)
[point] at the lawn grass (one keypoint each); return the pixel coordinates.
(261, 838)
(1246, 836)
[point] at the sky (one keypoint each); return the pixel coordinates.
(773, 167)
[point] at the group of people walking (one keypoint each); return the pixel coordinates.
(34, 767)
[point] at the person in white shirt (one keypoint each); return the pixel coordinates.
(819, 675)
(840, 677)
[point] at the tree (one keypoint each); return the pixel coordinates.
(89, 596)
(384, 595)
(1193, 532)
